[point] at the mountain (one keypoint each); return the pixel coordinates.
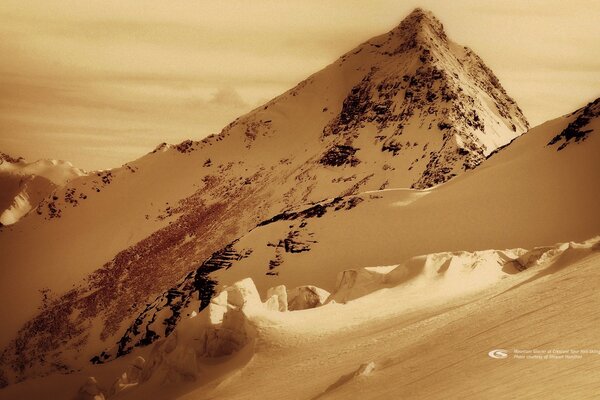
(490, 208)
(388, 293)
(24, 185)
(408, 109)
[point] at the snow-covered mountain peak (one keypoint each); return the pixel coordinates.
(415, 88)
(411, 90)
(420, 27)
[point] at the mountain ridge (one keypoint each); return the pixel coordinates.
(297, 238)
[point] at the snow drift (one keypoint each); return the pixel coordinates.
(237, 324)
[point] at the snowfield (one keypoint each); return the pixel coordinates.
(390, 340)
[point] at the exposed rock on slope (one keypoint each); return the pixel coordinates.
(577, 130)
(376, 228)
(9, 159)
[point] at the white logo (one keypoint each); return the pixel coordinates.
(498, 353)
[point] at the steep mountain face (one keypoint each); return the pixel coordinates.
(422, 96)
(24, 185)
(315, 244)
(405, 109)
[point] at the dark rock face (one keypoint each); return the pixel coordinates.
(315, 211)
(297, 241)
(186, 146)
(355, 105)
(114, 292)
(160, 317)
(292, 243)
(575, 132)
(340, 155)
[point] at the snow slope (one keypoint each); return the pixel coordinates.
(436, 352)
(408, 108)
(529, 194)
(390, 341)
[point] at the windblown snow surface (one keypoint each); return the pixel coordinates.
(390, 341)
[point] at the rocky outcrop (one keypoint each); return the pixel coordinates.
(162, 315)
(576, 131)
(340, 155)
(446, 92)
(315, 211)
(9, 159)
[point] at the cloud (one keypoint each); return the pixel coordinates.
(228, 97)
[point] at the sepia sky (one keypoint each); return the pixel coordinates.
(100, 83)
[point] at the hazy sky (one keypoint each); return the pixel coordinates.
(102, 82)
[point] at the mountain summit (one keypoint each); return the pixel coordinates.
(421, 25)
(407, 109)
(419, 89)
